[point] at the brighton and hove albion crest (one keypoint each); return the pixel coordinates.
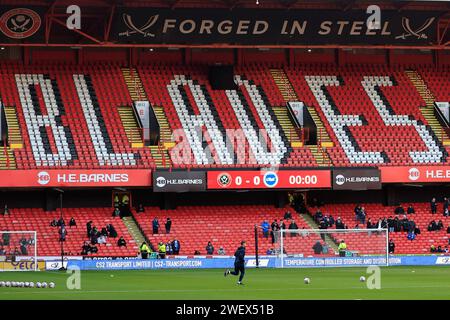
(20, 23)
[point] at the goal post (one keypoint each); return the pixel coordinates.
(18, 251)
(332, 247)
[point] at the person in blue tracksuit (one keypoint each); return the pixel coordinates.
(239, 263)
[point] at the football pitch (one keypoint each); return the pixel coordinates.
(265, 284)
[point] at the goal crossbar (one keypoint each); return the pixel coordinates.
(382, 244)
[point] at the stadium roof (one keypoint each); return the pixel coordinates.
(98, 16)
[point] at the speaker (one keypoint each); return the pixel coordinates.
(222, 78)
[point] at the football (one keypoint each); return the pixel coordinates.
(362, 279)
(307, 280)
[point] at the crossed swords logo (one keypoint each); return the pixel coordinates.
(133, 29)
(23, 23)
(416, 33)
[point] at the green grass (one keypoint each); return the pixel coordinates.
(266, 284)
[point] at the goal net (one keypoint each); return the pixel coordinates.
(18, 251)
(331, 247)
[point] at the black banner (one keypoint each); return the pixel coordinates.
(179, 181)
(356, 179)
(22, 24)
(272, 27)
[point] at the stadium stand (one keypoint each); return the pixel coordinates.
(68, 115)
(224, 226)
(422, 217)
(48, 238)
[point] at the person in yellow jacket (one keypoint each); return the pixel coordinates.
(145, 250)
(342, 248)
(162, 250)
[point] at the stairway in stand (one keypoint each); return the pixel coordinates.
(14, 135)
(428, 110)
(137, 93)
(288, 94)
(7, 160)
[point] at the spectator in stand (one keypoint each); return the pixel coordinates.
(287, 215)
(221, 251)
(112, 233)
(326, 220)
(293, 226)
(331, 220)
(357, 210)
(432, 226)
(89, 228)
(155, 225)
(85, 249)
(6, 210)
(93, 249)
(405, 223)
(140, 208)
(445, 204)
(116, 212)
(101, 239)
(176, 246)
(54, 223)
(169, 249)
(339, 224)
(162, 250)
(61, 222)
(432, 248)
(323, 224)
(317, 247)
(416, 230)
(5, 238)
(121, 242)
(62, 233)
(168, 225)
(411, 226)
(440, 225)
(448, 229)
(399, 210)
(94, 235)
(209, 248)
(318, 216)
(104, 232)
(439, 250)
(270, 251)
(283, 227)
(446, 213)
(390, 223)
(23, 246)
(410, 209)
(411, 236)
(2, 251)
(265, 226)
(325, 248)
(391, 246)
(369, 224)
(433, 206)
(275, 228)
(72, 222)
(397, 225)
